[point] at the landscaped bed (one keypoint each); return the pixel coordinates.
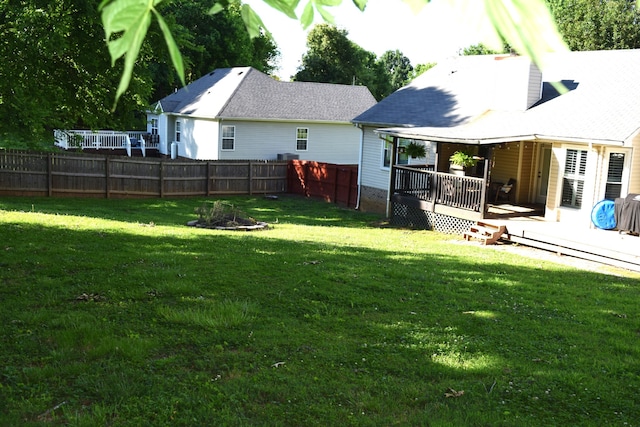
(115, 313)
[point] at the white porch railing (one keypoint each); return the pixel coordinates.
(87, 139)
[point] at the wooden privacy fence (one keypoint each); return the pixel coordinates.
(334, 183)
(81, 175)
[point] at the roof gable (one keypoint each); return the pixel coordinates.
(246, 93)
(600, 105)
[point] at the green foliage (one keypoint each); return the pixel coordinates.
(398, 67)
(220, 213)
(208, 41)
(333, 58)
(416, 150)
(596, 24)
(57, 74)
(524, 24)
(322, 320)
(125, 24)
(421, 68)
(480, 49)
(463, 159)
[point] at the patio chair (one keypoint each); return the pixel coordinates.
(505, 192)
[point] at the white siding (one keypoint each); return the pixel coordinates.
(330, 143)
(373, 175)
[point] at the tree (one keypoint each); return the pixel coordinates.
(480, 49)
(398, 67)
(209, 42)
(597, 24)
(56, 73)
(333, 58)
(526, 25)
(421, 68)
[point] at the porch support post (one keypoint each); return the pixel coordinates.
(485, 189)
(392, 174)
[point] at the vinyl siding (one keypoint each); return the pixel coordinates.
(199, 139)
(505, 166)
(330, 143)
(634, 178)
(373, 175)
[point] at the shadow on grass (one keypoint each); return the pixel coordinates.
(329, 333)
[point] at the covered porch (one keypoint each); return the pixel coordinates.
(509, 179)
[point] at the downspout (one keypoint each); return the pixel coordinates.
(360, 155)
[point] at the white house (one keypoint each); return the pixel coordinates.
(241, 113)
(566, 150)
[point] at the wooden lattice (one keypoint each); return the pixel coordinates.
(409, 216)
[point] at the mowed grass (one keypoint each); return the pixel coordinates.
(115, 313)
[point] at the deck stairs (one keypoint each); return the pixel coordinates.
(487, 233)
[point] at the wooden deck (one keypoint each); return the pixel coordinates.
(605, 246)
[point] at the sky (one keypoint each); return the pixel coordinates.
(436, 32)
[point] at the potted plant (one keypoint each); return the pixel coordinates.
(415, 150)
(461, 160)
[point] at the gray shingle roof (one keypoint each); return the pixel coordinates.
(246, 93)
(452, 102)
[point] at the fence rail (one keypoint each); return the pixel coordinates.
(81, 175)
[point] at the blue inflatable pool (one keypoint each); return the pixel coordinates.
(603, 215)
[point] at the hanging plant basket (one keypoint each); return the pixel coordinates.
(415, 150)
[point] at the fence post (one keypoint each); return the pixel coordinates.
(50, 174)
(107, 176)
(161, 179)
(208, 185)
(250, 178)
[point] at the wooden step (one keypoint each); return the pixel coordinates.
(488, 234)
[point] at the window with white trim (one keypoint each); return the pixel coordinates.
(401, 156)
(575, 167)
(178, 130)
(228, 137)
(302, 139)
(154, 126)
(613, 188)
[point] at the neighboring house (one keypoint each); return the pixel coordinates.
(564, 151)
(241, 113)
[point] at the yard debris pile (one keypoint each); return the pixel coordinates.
(224, 216)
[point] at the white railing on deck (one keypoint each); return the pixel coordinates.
(87, 139)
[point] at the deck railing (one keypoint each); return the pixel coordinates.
(461, 192)
(87, 139)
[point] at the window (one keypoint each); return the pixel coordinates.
(228, 137)
(154, 126)
(575, 167)
(178, 130)
(401, 156)
(613, 188)
(302, 139)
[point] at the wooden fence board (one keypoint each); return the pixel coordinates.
(331, 182)
(81, 175)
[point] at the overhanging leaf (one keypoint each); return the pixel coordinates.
(361, 4)
(417, 5)
(126, 23)
(288, 7)
(306, 19)
(251, 20)
(174, 51)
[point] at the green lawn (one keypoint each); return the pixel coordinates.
(115, 313)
